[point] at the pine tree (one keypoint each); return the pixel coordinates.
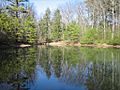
(57, 31)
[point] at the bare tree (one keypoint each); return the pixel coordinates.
(67, 13)
(81, 17)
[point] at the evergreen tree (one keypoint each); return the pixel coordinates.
(44, 26)
(56, 29)
(17, 21)
(47, 25)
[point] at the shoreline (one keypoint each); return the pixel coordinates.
(4, 46)
(62, 43)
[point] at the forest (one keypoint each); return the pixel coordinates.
(88, 22)
(40, 65)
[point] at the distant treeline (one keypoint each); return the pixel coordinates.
(90, 22)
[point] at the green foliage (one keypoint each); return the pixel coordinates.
(50, 29)
(18, 26)
(8, 25)
(72, 32)
(56, 26)
(90, 36)
(28, 30)
(44, 27)
(115, 41)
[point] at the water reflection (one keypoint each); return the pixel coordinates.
(16, 69)
(60, 68)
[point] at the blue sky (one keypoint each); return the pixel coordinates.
(41, 5)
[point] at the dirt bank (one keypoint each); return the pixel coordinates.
(62, 43)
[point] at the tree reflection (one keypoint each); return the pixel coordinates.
(97, 69)
(17, 68)
(94, 68)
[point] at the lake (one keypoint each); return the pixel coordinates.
(60, 68)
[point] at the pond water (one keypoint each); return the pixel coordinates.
(60, 68)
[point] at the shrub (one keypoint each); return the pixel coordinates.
(90, 36)
(115, 41)
(72, 32)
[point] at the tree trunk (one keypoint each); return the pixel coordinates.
(104, 25)
(16, 17)
(113, 18)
